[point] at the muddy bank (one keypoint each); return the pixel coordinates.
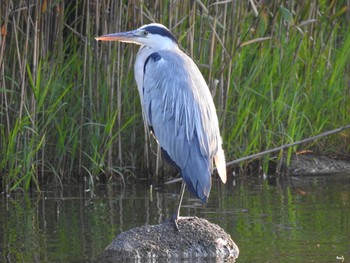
(312, 164)
(196, 240)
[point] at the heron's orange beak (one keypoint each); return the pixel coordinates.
(122, 36)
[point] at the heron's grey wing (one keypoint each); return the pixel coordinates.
(178, 105)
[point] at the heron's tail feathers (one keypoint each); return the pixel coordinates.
(220, 164)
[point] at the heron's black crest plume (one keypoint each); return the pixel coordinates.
(162, 31)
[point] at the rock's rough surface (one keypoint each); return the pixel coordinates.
(196, 240)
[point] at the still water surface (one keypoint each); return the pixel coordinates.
(295, 219)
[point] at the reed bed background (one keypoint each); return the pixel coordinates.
(279, 72)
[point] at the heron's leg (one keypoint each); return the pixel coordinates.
(182, 191)
(177, 215)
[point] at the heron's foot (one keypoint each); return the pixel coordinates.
(176, 219)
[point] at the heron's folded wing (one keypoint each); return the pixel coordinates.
(179, 107)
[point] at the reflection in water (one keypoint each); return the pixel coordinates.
(290, 220)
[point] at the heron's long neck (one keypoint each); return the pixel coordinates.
(141, 57)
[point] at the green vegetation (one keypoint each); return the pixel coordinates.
(70, 108)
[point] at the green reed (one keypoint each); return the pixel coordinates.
(70, 108)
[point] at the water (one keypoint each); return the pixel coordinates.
(303, 219)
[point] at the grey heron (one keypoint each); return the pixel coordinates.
(178, 107)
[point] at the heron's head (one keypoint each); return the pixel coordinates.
(152, 35)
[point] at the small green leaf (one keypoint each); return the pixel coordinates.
(287, 15)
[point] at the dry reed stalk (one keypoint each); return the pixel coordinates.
(230, 44)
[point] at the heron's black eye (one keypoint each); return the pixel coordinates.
(145, 33)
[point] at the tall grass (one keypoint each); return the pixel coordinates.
(70, 108)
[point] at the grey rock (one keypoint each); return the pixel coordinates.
(197, 241)
(311, 164)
